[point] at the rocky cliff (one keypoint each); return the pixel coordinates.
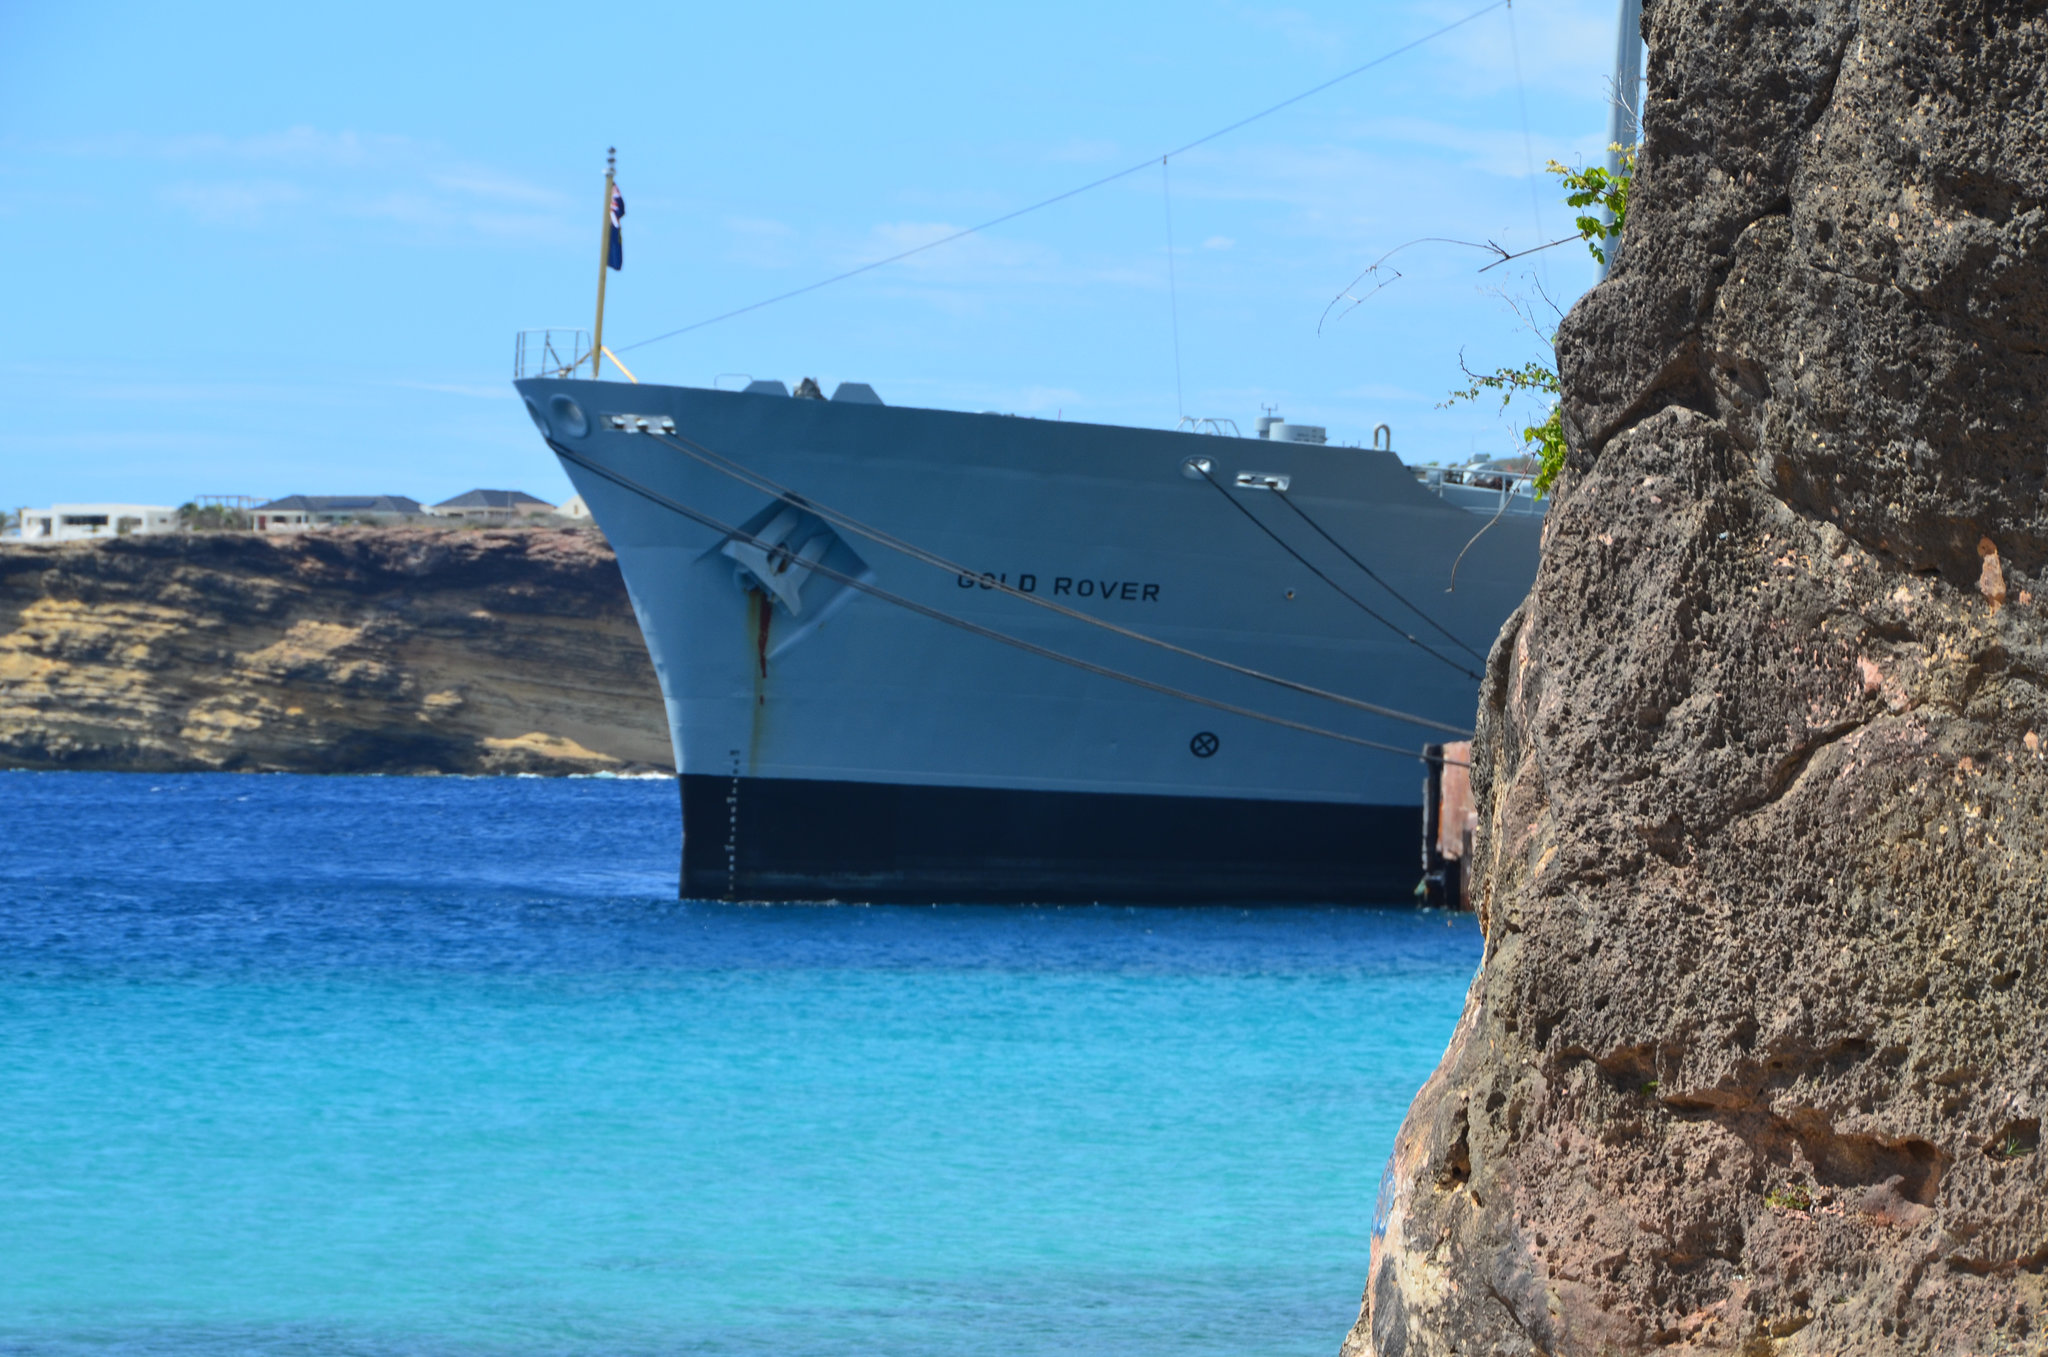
(387, 651)
(1757, 1057)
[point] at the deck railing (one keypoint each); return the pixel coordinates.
(549, 353)
(1516, 489)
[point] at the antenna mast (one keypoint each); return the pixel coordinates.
(1623, 126)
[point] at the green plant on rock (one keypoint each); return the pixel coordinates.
(1545, 441)
(1594, 186)
(1597, 186)
(1548, 440)
(2009, 1146)
(1789, 1197)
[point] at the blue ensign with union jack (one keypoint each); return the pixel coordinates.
(617, 255)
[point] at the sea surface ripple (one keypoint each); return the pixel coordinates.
(438, 1066)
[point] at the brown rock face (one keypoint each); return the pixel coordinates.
(396, 651)
(1758, 1056)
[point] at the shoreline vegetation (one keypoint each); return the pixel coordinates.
(409, 650)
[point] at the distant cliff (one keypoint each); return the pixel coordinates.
(1757, 1058)
(359, 651)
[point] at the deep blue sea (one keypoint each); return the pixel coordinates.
(440, 1066)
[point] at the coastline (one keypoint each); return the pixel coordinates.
(362, 650)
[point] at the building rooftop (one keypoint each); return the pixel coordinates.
(344, 504)
(492, 499)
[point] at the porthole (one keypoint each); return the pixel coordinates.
(567, 416)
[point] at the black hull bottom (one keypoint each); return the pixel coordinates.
(796, 839)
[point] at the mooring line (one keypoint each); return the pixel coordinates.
(734, 533)
(1288, 500)
(767, 486)
(1349, 597)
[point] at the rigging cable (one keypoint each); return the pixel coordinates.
(1126, 173)
(756, 481)
(1355, 601)
(1528, 146)
(1288, 500)
(975, 628)
(1180, 408)
(1504, 496)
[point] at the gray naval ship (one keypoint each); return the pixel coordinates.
(866, 704)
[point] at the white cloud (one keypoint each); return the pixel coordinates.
(499, 187)
(306, 173)
(906, 235)
(981, 203)
(1218, 243)
(1504, 152)
(1296, 27)
(1381, 391)
(469, 389)
(1562, 47)
(1084, 151)
(981, 258)
(762, 242)
(531, 228)
(761, 227)
(1039, 399)
(297, 147)
(405, 206)
(244, 203)
(138, 440)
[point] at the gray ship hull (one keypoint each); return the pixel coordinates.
(833, 746)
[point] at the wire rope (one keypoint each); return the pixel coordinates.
(1504, 496)
(1180, 406)
(1350, 597)
(756, 481)
(1528, 145)
(1288, 500)
(736, 534)
(1111, 178)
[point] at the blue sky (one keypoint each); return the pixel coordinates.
(273, 249)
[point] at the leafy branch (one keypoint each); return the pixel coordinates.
(1510, 382)
(1533, 377)
(1592, 187)
(1596, 186)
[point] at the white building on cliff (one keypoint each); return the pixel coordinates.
(78, 522)
(301, 513)
(492, 506)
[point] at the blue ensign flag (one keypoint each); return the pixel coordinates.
(617, 256)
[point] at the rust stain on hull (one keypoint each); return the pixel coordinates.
(1450, 819)
(760, 614)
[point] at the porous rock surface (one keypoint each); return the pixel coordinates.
(354, 651)
(1757, 1056)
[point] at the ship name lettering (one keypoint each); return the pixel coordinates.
(987, 579)
(1123, 591)
(1128, 591)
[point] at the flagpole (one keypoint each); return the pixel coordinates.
(604, 256)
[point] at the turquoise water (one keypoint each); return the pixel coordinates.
(437, 1066)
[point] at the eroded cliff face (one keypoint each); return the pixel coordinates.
(1758, 1055)
(366, 651)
